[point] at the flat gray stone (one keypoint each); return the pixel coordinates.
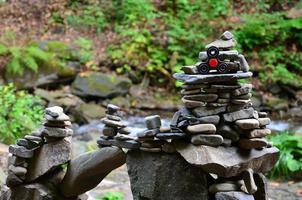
(262, 191)
(19, 171)
(252, 143)
(33, 138)
(159, 182)
(217, 104)
(20, 151)
(227, 132)
(206, 111)
(262, 114)
(245, 89)
(166, 136)
(124, 130)
(109, 131)
(60, 118)
(212, 119)
(241, 114)
(87, 170)
(153, 122)
(54, 111)
(264, 121)
(27, 143)
(228, 161)
(113, 123)
(57, 132)
(152, 150)
(224, 44)
(233, 196)
(192, 103)
(225, 87)
(210, 78)
(128, 144)
(202, 97)
(124, 137)
(241, 101)
(189, 69)
(112, 109)
(201, 128)
(148, 133)
(209, 140)
(258, 133)
(247, 123)
(48, 157)
(105, 142)
(244, 96)
(222, 100)
(194, 86)
(224, 187)
(113, 117)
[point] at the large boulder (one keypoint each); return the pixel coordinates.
(228, 161)
(162, 176)
(99, 85)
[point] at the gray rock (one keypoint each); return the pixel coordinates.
(225, 95)
(164, 129)
(252, 143)
(245, 89)
(152, 144)
(112, 109)
(227, 35)
(49, 157)
(99, 85)
(27, 144)
(202, 97)
(264, 121)
(228, 161)
(217, 104)
(113, 117)
(223, 44)
(241, 101)
(159, 182)
(212, 119)
(189, 69)
(201, 128)
(244, 96)
(54, 111)
(60, 118)
(124, 137)
(33, 138)
(57, 132)
(209, 140)
(105, 142)
(124, 130)
(20, 151)
(247, 123)
(227, 132)
(192, 103)
(224, 187)
(206, 111)
(225, 87)
(221, 100)
(88, 170)
(187, 92)
(128, 144)
(258, 133)
(262, 114)
(153, 122)
(237, 107)
(210, 78)
(233, 196)
(168, 148)
(113, 123)
(148, 133)
(16, 161)
(226, 142)
(175, 119)
(109, 131)
(57, 124)
(242, 114)
(19, 171)
(13, 180)
(166, 136)
(248, 178)
(262, 191)
(152, 150)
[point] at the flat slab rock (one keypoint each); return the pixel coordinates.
(48, 157)
(209, 78)
(233, 196)
(228, 161)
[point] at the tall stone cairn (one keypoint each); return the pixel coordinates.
(217, 131)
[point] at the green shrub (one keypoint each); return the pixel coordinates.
(20, 113)
(290, 159)
(113, 196)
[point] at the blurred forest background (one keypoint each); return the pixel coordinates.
(82, 54)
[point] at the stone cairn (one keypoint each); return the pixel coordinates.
(218, 131)
(35, 162)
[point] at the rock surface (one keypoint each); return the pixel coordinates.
(233, 196)
(228, 161)
(151, 177)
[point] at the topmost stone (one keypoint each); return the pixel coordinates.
(226, 41)
(211, 78)
(54, 111)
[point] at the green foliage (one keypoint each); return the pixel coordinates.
(20, 113)
(85, 53)
(113, 196)
(290, 159)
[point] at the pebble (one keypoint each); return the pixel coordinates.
(105, 142)
(245, 89)
(19, 171)
(153, 122)
(223, 187)
(109, 131)
(262, 114)
(209, 140)
(20, 151)
(264, 121)
(225, 95)
(247, 123)
(113, 117)
(253, 143)
(241, 101)
(33, 138)
(201, 128)
(124, 130)
(202, 97)
(60, 118)
(57, 132)
(241, 114)
(259, 133)
(165, 136)
(124, 137)
(153, 150)
(59, 124)
(113, 123)
(54, 111)
(192, 104)
(112, 109)
(164, 129)
(148, 133)
(27, 144)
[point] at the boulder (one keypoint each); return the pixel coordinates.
(99, 85)
(228, 161)
(151, 177)
(48, 157)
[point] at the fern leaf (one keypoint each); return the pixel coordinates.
(30, 62)
(3, 50)
(38, 53)
(14, 66)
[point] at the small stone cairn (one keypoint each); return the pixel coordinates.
(217, 130)
(35, 162)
